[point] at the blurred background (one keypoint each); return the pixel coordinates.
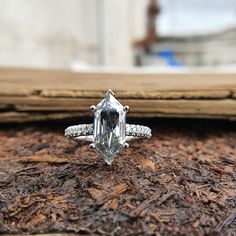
(79, 34)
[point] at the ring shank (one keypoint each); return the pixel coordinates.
(85, 132)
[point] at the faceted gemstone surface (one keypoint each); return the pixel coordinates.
(109, 128)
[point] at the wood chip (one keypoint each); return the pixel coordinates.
(101, 196)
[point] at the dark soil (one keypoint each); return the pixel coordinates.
(181, 182)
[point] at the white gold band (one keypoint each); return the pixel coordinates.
(85, 132)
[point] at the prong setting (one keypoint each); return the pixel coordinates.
(91, 146)
(109, 91)
(126, 108)
(93, 108)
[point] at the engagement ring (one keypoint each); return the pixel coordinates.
(109, 132)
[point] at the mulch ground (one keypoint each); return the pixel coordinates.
(181, 182)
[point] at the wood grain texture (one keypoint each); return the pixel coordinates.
(30, 95)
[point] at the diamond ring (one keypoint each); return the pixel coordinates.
(109, 132)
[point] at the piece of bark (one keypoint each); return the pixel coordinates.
(102, 196)
(226, 221)
(164, 215)
(140, 209)
(39, 158)
(148, 165)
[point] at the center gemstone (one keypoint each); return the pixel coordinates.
(109, 128)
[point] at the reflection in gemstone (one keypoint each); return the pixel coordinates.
(109, 128)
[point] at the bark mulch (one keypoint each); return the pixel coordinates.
(181, 182)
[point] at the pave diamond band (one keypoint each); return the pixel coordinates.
(79, 130)
(109, 132)
(83, 130)
(139, 131)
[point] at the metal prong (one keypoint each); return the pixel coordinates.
(109, 91)
(91, 146)
(93, 108)
(126, 108)
(126, 145)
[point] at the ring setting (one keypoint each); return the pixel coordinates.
(109, 132)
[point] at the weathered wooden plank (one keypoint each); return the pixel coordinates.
(168, 106)
(221, 107)
(139, 94)
(3, 106)
(20, 117)
(234, 94)
(139, 108)
(30, 95)
(15, 116)
(133, 84)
